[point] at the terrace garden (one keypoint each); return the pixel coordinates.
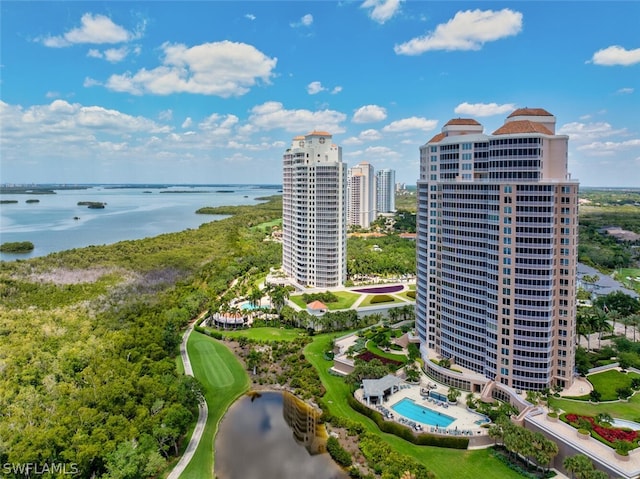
(600, 428)
(375, 299)
(344, 300)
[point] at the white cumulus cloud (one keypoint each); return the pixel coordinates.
(412, 123)
(605, 148)
(370, 135)
(467, 30)
(616, 55)
(315, 87)
(369, 114)
(272, 114)
(305, 21)
(112, 55)
(578, 131)
(625, 91)
(95, 29)
(223, 69)
(484, 109)
(381, 10)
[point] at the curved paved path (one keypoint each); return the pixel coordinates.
(203, 412)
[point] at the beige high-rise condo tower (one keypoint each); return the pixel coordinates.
(361, 195)
(314, 225)
(496, 254)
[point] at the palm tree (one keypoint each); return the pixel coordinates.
(394, 313)
(544, 450)
(634, 322)
(453, 394)
(579, 466)
(627, 321)
(278, 295)
(253, 359)
(613, 316)
(604, 418)
(255, 296)
(599, 323)
(584, 326)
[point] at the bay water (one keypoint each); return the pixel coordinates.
(57, 223)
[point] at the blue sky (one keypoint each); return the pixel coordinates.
(213, 92)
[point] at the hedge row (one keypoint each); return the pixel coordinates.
(422, 439)
(209, 332)
(381, 298)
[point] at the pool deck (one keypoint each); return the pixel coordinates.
(465, 420)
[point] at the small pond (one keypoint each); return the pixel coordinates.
(273, 436)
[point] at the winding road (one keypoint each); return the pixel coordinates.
(203, 412)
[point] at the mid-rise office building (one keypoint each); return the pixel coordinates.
(314, 226)
(496, 254)
(361, 195)
(385, 191)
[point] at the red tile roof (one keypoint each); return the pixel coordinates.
(408, 235)
(522, 126)
(462, 121)
(316, 305)
(439, 137)
(318, 133)
(530, 112)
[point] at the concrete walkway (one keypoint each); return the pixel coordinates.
(203, 412)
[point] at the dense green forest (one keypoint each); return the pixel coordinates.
(88, 340)
(602, 208)
(393, 256)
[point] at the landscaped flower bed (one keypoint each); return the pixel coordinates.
(368, 356)
(609, 434)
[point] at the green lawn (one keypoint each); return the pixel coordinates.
(345, 300)
(399, 356)
(445, 463)
(621, 409)
(608, 381)
(623, 274)
(403, 294)
(267, 334)
(367, 301)
(266, 226)
(223, 379)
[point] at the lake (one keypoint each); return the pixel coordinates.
(56, 222)
(273, 436)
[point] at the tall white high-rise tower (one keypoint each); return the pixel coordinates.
(385, 191)
(361, 186)
(314, 220)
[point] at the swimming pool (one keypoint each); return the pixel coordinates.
(424, 415)
(248, 307)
